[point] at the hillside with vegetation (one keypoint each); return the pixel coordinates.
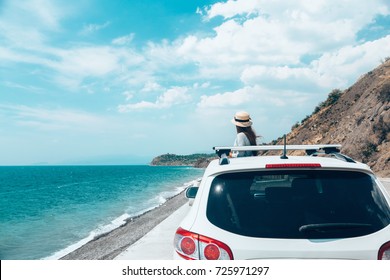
(195, 160)
(358, 118)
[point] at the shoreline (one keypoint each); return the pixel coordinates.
(109, 245)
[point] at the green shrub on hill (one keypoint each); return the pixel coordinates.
(181, 160)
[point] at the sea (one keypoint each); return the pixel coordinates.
(47, 212)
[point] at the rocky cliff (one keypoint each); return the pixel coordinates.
(358, 118)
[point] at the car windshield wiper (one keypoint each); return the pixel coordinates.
(331, 226)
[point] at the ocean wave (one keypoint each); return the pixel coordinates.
(148, 205)
(101, 230)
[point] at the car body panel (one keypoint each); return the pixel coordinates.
(243, 247)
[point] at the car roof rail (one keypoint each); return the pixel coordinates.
(311, 150)
(336, 154)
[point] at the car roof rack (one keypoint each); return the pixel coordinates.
(311, 150)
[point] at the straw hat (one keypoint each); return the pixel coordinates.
(242, 119)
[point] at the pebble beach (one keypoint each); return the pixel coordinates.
(110, 245)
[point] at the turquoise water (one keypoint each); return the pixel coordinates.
(48, 211)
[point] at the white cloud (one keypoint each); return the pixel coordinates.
(54, 119)
(227, 99)
(124, 40)
(92, 28)
(151, 87)
(74, 65)
(202, 85)
(26, 29)
(171, 97)
(137, 106)
(321, 10)
(88, 61)
(306, 79)
(48, 12)
(335, 69)
(45, 14)
(232, 8)
(277, 33)
(174, 96)
(350, 61)
(249, 96)
(25, 23)
(28, 88)
(128, 95)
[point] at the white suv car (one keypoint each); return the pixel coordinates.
(302, 207)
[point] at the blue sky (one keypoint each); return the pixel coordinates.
(112, 82)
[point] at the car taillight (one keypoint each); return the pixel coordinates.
(211, 252)
(384, 252)
(188, 245)
(293, 165)
(192, 246)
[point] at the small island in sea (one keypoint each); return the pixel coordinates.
(195, 160)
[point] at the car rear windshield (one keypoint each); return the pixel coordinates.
(297, 204)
